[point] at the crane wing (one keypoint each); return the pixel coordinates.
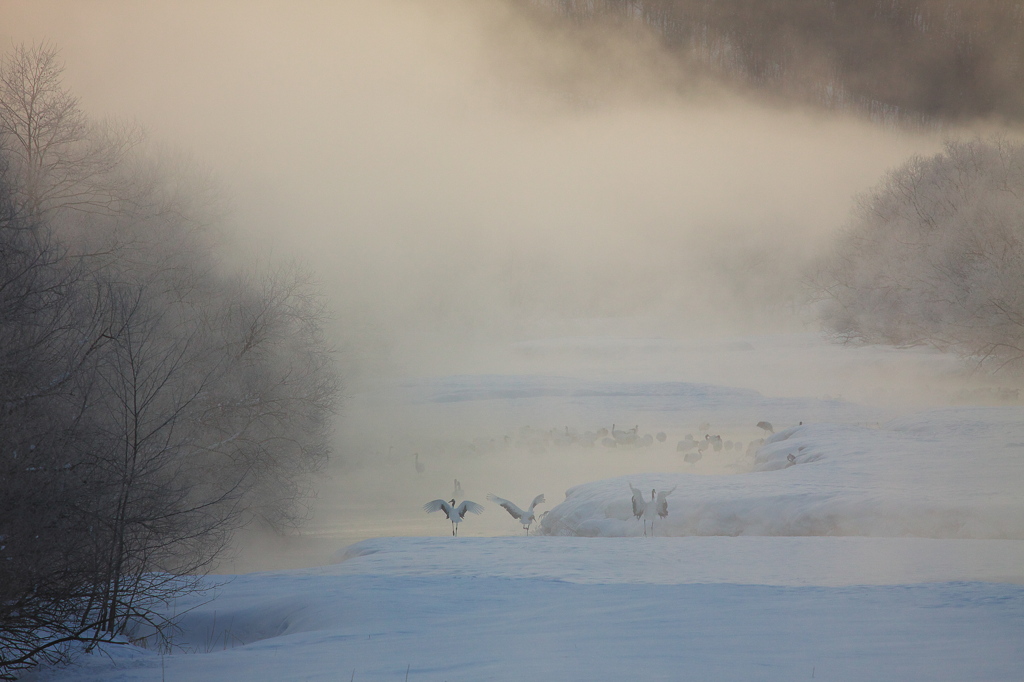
(662, 507)
(639, 503)
(436, 505)
(538, 500)
(515, 511)
(468, 506)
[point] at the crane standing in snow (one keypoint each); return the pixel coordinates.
(656, 506)
(525, 517)
(453, 512)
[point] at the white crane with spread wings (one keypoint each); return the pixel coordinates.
(648, 509)
(453, 512)
(525, 517)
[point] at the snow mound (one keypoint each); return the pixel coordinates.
(953, 473)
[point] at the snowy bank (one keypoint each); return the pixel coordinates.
(952, 473)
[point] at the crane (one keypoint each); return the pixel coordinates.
(525, 517)
(454, 513)
(656, 506)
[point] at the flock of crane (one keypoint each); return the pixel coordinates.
(539, 441)
(693, 450)
(644, 509)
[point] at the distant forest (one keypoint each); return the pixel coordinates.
(897, 61)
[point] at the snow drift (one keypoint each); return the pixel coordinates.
(940, 474)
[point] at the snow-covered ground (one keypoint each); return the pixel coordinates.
(608, 609)
(891, 547)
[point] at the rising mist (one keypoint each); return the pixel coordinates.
(464, 169)
(463, 176)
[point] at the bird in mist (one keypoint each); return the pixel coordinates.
(454, 513)
(419, 465)
(656, 506)
(627, 437)
(525, 517)
(457, 491)
(766, 427)
(703, 445)
(661, 505)
(640, 505)
(563, 439)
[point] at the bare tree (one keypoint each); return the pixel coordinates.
(58, 156)
(150, 402)
(273, 403)
(134, 464)
(159, 511)
(48, 338)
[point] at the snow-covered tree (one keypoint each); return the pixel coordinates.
(935, 255)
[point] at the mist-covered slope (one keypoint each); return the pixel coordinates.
(916, 60)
